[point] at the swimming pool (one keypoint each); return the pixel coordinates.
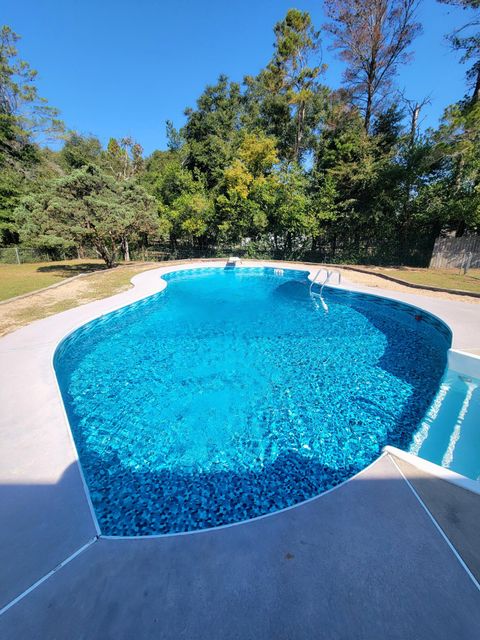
(232, 394)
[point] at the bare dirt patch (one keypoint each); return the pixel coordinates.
(17, 313)
(370, 280)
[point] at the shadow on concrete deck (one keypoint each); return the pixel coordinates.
(361, 562)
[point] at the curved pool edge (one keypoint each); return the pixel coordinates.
(278, 512)
(139, 280)
(37, 451)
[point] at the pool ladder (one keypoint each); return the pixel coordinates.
(328, 274)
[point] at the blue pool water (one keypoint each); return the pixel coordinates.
(233, 394)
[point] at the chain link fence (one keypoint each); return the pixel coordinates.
(339, 253)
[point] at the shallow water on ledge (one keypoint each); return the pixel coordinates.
(449, 434)
(233, 394)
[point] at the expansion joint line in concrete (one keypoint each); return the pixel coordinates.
(48, 575)
(437, 526)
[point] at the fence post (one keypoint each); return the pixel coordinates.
(17, 255)
(466, 264)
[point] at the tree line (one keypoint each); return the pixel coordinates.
(280, 165)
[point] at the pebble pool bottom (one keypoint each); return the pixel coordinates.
(232, 394)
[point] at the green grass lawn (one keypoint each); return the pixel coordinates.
(445, 278)
(16, 279)
(41, 304)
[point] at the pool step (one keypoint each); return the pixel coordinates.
(450, 433)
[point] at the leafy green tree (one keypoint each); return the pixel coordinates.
(24, 116)
(349, 162)
(290, 71)
(173, 181)
(325, 207)
(154, 166)
(23, 113)
(190, 215)
(458, 143)
(258, 152)
(87, 208)
(268, 111)
(175, 140)
(184, 204)
(292, 218)
(11, 186)
(179, 196)
(235, 208)
(79, 151)
(239, 205)
(123, 158)
(467, 40)
(211, 129)
(286, 98)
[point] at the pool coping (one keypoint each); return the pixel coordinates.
(43, 336)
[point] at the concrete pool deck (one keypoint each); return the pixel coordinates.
(363, 561)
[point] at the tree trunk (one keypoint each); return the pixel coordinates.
(414, 124)
(371, 74)
(461, 227)
(299, 132)
(125, 249)
(369, 105)
(476, 91)
(368, 115)
(288, 244)
(106, 255)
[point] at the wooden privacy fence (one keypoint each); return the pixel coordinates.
(450, 253)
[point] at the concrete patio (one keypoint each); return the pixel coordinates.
(392, 553)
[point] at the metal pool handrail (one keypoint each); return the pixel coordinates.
(316, 276)
(330, 273)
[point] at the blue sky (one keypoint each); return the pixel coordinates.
(117, 68)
